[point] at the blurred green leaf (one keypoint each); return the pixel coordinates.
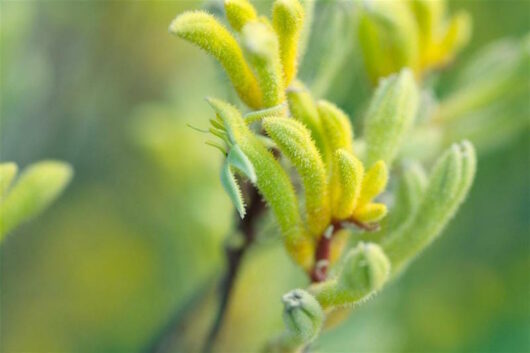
(38, 186)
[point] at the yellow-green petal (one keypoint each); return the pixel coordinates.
(294, 140)
(239, 13)
(206, 32)
(287, 19)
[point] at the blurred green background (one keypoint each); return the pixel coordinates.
(139, 231)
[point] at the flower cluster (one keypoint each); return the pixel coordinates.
(341, 177)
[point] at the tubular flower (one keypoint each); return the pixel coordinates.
(262, 59)
(410, 33)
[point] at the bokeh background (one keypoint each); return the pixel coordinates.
(138, 235)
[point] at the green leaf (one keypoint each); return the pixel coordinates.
(237, 158)
(390, 116)
(8, 171)
(206, 32)
(38, 186)
(495, 74)
(231, 187)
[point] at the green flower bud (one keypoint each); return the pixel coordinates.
(447, 187)
(390, 116)
(365, 270)
(302, 315)
(408, 194)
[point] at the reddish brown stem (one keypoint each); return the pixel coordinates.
(322, 253)
(323, 250)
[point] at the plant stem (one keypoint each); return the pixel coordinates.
(322, 252)
(166, 338)
(234, 256)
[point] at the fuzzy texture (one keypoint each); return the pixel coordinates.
(303, 318)
(371, 213)
(271, 181)
(277, 110)
(205, 31)
(303, 108)
(448, 186)
(390, 116)
(294, 140)
(239, 13)
(349, 172)
(407, 194)
(288, 19)
(302, 315)
(338, 134)
(374, 182)
(38, 186)
(365, 270)
(262, 48)
(338, 130)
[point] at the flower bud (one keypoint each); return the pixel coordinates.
(391, 114)
(448, 185)
(302, 315)
(365, 270)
